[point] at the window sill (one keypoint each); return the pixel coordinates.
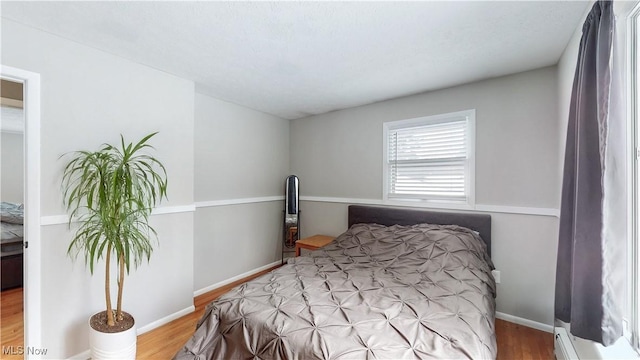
(587, 349)
(427, 204)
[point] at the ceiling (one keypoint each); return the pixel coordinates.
(295, 59)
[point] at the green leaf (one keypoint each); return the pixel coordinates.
(111, 193)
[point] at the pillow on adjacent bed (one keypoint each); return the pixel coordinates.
(11, 213)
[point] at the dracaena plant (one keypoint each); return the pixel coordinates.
(110, 193)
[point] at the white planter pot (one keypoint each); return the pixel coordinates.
(120, 345)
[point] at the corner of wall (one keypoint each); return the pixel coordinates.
(566, 69)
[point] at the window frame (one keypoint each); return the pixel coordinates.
(632, 326)
(469, 203)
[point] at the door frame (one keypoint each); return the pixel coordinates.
(32, 253)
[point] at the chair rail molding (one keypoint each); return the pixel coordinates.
(552, 212)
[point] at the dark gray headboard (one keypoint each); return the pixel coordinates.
(359, 214)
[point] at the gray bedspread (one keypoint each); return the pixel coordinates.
(11, 232)
(422, 291)
(11, 213)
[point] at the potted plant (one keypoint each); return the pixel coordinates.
(110, 193)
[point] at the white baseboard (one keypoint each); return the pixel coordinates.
(165, 320)
(235, 278)
(525, 322)
(85, 355)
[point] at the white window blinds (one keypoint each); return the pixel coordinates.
(429, 160)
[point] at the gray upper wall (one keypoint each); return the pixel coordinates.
(339, 154)
(566, 72)
(239, 152)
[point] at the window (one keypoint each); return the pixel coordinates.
(430, 159)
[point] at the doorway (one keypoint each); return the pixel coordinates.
(12, 216)
(28, 84)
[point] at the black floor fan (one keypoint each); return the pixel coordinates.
(291, 215)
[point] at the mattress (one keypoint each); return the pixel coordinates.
(11, 227)
(11, 232)
(401, 292)
(11, 243)
(11, 213)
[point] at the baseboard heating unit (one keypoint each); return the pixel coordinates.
(563, 348)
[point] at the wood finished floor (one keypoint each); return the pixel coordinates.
(514, 341)
(12, 333)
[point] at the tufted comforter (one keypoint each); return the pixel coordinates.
(376, 292)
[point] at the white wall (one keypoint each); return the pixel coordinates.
(239, 153)
(566, 72)
(12, 172)
(339, 155)
(89, 97)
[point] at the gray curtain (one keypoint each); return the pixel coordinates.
(586, 296)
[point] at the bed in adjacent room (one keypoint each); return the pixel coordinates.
(11, 244)
(399, 283)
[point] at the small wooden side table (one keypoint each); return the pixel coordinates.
(313, 242)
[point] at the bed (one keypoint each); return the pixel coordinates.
(398, 284)
(11, 244)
